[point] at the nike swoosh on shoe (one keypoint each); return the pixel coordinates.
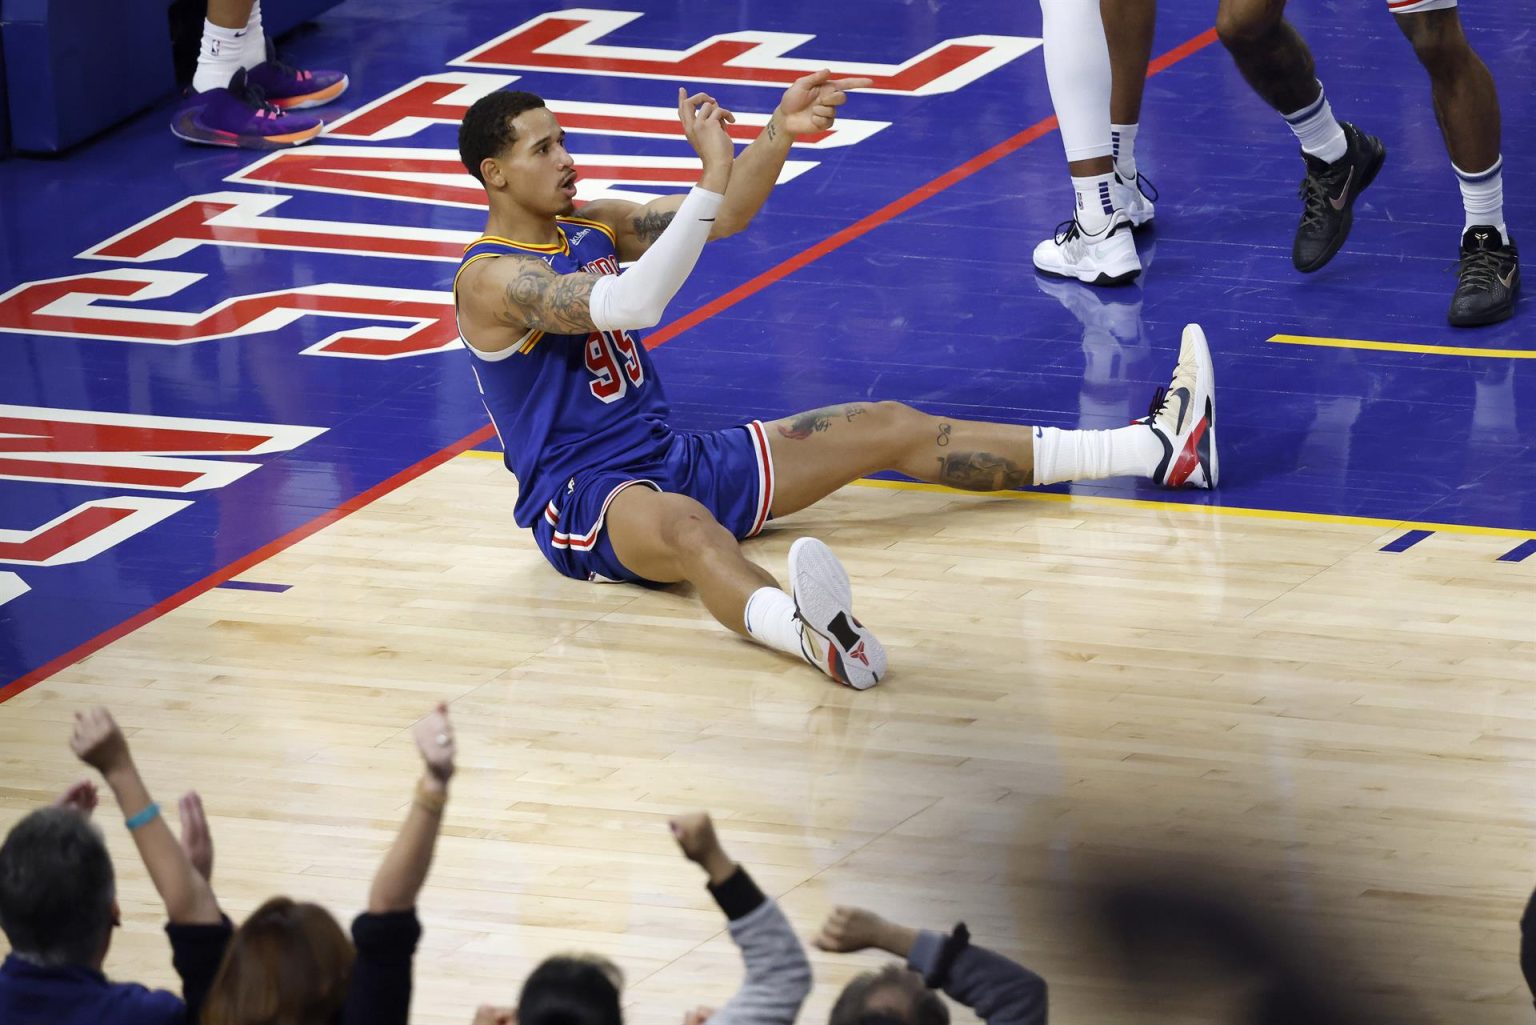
(1337, 202)
(1182, 394)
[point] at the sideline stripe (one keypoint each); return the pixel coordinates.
(672, 330)
(1240, 511)
(1431, 350)
(251, 585)
(1245, 512)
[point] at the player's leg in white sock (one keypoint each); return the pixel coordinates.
(223, 48)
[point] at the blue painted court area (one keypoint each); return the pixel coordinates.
(249, 346)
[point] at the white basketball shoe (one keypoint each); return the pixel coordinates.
(1137, 198)
(1104, 258)
(1183, 417)
(830, 638)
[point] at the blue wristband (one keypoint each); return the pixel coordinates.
(144, 817)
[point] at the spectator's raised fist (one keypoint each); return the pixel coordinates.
(849, 929)
(695, 834)
(434, 739)
(98, 742)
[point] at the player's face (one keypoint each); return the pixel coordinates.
(540, 172)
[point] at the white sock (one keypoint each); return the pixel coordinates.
(1132, 451)
(771, 620)
(1122, 138)
(221, 55)
(1094, 201)
(255, 40)
(1318, 131)
(1078, 73)
(1482, 196)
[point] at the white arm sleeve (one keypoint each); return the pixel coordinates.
(638, 297)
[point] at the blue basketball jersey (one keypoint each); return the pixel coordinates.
(565, 403)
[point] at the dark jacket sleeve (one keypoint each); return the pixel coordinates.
(778, 974)
(1528, 945)
(380, 993)
(1000, 991)
(196, 953)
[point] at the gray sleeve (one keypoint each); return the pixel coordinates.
(778, 972)
(1000, 991)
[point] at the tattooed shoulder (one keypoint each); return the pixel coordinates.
(536, 297)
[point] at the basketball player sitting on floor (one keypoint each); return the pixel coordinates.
(612, 492)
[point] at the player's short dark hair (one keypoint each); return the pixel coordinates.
(487, 126)
(920, 1005)
(56, 888)
(571, 990)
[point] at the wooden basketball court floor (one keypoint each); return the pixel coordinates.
(1311, 691)
(1082, 690)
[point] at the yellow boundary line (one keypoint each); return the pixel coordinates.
(1433, 350)
(1243, 512)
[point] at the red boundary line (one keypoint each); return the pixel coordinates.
(750, 288)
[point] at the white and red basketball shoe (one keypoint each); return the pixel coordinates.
(1183, 417)
(830, 638)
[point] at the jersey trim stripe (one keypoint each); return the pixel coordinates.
(584, 542)
(765, 479)
(599, 225)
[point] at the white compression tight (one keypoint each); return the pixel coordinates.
(1078, 71)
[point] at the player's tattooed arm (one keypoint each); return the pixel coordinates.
(649, 224)
(637, 227)
(523, 293)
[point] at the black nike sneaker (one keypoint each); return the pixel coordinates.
(1328, 195)
(1488, 280)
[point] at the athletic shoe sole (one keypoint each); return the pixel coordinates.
(1102, 280)
(824, 600)
(314, 99)
(213, 137)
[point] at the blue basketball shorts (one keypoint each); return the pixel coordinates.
(729, 472)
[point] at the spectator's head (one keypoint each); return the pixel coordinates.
(288, 963)
(892, 996)
(57, 893)
(572, 989)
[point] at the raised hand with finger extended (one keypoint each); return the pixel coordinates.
(810, 105)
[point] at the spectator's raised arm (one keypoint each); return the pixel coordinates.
(778, 975)
(188, 898)
(1000, 991)
(404, 869)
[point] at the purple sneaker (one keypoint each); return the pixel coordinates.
(239, 116)
(293, 88)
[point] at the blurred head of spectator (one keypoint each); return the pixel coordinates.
(289, 962)
(895, 995)
(58, 896)
(572, 989)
